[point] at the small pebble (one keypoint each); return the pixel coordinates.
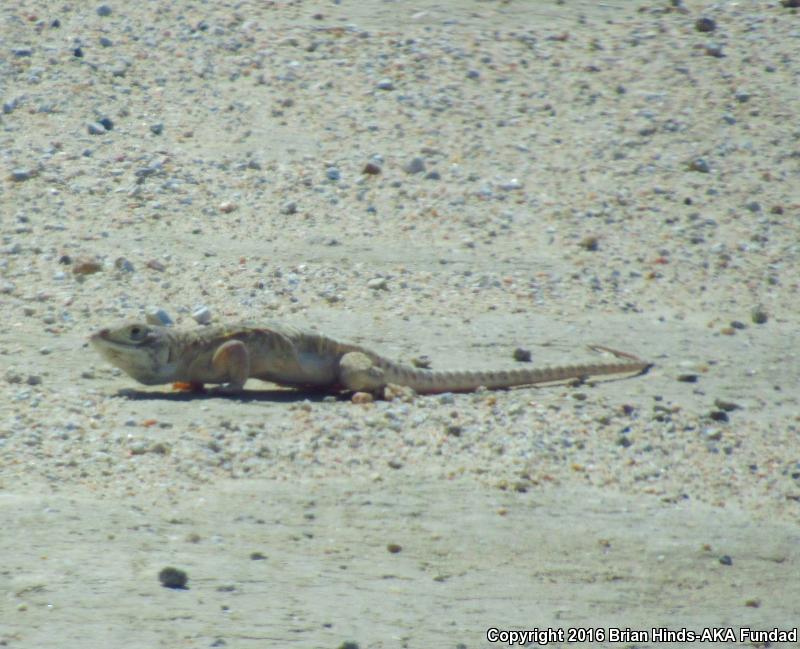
(714, 50)
(590, 243)
(371, 169)
(156, 316)
(173, 578)
(332, 173)
(394, 548)
(522, 355)
(699, 165)
(106, 123)
(226, 207)
(414, 166)
(154, 264)
(688, 378)
(201, 314)
(257, 556)
(385, 84)
(422, 362)
(120, 263)
(289, 208)
(105, 42)
(705, 24)
(157, 129)
(511, 185)
(727, 406)
(759, 316)
(86, 267)
(104, 10)
(378, 284)
(20, 175)
(718, 415)
(95, 128)
(726, 560)
(362, 398)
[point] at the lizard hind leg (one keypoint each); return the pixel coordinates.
(232, 361)
(359, 374)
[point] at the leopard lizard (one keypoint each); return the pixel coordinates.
(231, 354)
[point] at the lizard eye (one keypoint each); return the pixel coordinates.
(137, 333)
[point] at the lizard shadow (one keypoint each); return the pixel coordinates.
(245, 396)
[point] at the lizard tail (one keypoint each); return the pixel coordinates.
(431, 382)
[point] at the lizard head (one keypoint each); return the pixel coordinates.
(140, 350)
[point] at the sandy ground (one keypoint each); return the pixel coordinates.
(550, 175)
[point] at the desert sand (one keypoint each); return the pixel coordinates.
(455, 179)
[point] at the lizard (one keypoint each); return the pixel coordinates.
(231, 354)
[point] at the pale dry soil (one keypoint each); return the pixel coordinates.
(594, 173)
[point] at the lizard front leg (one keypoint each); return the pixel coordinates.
(358, 373)
(232, 361)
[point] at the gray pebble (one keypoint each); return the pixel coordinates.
(201, 314)
(289, 208)
(414, 166)
(332, 173)
(9, 106)
(699, 165)
(104, 10)
(759, 316)
(522, 355)
(120, 263)
(22, 51)
(95, 128)
(157, 129)
(705, 24)
(105, 42)
(511, 185)
(473, 74)
(385, 84)
(156, 316)
(377, 284)
(20, 175)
